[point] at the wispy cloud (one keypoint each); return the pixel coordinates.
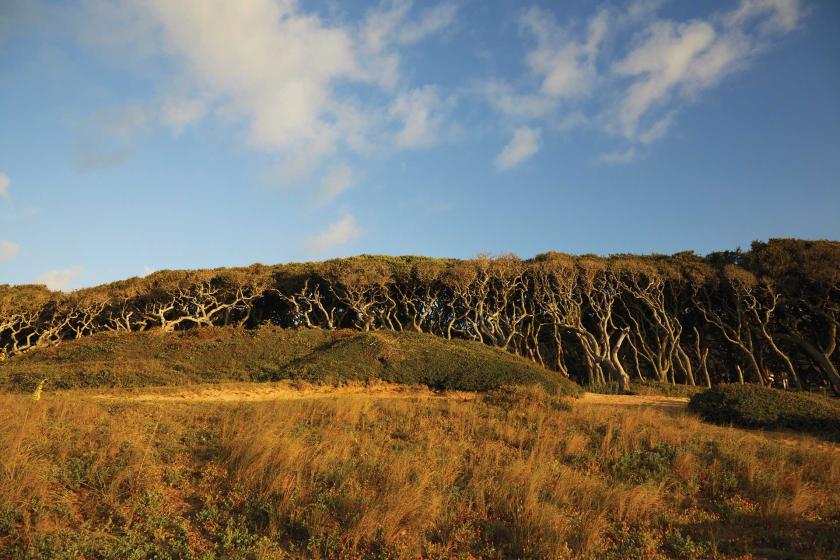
(109, 137)
(61, 279)
(338, 233)
(564, 66)
(8, 250)
(620, 156)
(181, 112)
(653, 68)
(422, 113)
(5, 182)
(432, 21)
(524, 144)
(335, 182)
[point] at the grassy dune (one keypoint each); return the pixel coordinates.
(352, 456)
(271, 354)
(514, 474)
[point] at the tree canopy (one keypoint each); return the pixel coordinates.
(769, 315)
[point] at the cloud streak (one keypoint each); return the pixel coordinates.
(338, 233)
(524, 144)
(335, 182)
(422, 113)
(59, 280)
(634, 90)
(8, 250)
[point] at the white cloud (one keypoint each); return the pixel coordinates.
(338, 233)
(59, 279)
(272, 64)
(565, 67)
(281, 71)
(335, 182)
(4, 185)
(8, 250)
(517, 105)
(772, 15)
(671, 56)
(388, 27)
(421, 112)
(433, 20)
(523, 145)
(628, 72)
(671, 62)
(148, 270)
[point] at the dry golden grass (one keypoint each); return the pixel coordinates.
(509, 475)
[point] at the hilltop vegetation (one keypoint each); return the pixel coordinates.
(270, 353)
(769, 315)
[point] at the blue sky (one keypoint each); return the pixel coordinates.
(141, 135)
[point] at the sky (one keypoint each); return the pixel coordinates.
(139, 135)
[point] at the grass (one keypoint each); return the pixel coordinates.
(517, 473)
(753, 406)
(270, 353)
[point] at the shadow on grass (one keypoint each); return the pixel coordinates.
(770, 537)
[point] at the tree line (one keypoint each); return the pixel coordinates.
(769, 315)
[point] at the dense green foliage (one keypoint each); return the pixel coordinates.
(751, 406)
(271, 353)
(770, 315)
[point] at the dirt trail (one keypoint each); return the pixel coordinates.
(231, 392)
(251, 392)
(670, 404)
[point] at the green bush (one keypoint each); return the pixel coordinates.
(414, 358)
(753, 406)
(271, 353)
(645, 465)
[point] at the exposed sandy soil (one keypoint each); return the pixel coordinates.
(227, 392)
(237, 392)
(663, 403)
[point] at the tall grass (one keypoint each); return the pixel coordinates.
(518, 474)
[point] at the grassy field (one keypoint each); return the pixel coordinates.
(511, 474)
(271, 444)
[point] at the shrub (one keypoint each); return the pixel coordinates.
(753, 406)
(645, 465)
(270, 353)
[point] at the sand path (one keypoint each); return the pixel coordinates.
(255, 392)
(654, 401)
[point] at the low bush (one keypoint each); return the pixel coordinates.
(271, 353)
(753, 406)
